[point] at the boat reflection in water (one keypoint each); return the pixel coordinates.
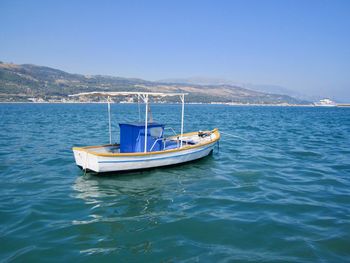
(130, 197)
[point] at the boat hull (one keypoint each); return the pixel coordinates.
(104, 164)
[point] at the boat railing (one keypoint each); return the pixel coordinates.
(155, 143)
(169, 128)
(165, 140)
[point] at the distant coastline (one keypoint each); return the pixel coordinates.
(37, 84)
(341, 105)
(40, 84)
(167, 103)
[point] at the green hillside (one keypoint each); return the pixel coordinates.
(24, 82)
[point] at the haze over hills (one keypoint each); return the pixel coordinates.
(265, 88)
(25, 82)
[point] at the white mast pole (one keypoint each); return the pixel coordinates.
(146, 121)
(109, 120)
(182, 116)
(138, 104)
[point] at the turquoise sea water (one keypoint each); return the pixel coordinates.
(281, 193)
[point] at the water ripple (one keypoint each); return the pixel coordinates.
(282, 193)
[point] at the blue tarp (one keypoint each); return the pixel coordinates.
(132, 137)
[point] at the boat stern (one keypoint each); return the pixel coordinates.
(85, 160)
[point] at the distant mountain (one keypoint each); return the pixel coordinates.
(24, 82)
(275, 89)
(200, 81)
(271, 89)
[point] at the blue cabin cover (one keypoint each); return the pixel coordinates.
(132, 137)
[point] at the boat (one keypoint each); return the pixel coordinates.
(143, 145)
(325, 103)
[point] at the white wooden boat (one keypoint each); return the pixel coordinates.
(137, 151)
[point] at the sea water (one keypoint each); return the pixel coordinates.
(277, 191)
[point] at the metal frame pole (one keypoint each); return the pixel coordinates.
(138, 104)
(109, 120)
(146, 121)
(182, 117)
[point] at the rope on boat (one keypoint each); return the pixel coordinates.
(235, 136)
(259, 143)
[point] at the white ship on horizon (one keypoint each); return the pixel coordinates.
(325, 103)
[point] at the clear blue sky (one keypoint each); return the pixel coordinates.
(300, 45)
